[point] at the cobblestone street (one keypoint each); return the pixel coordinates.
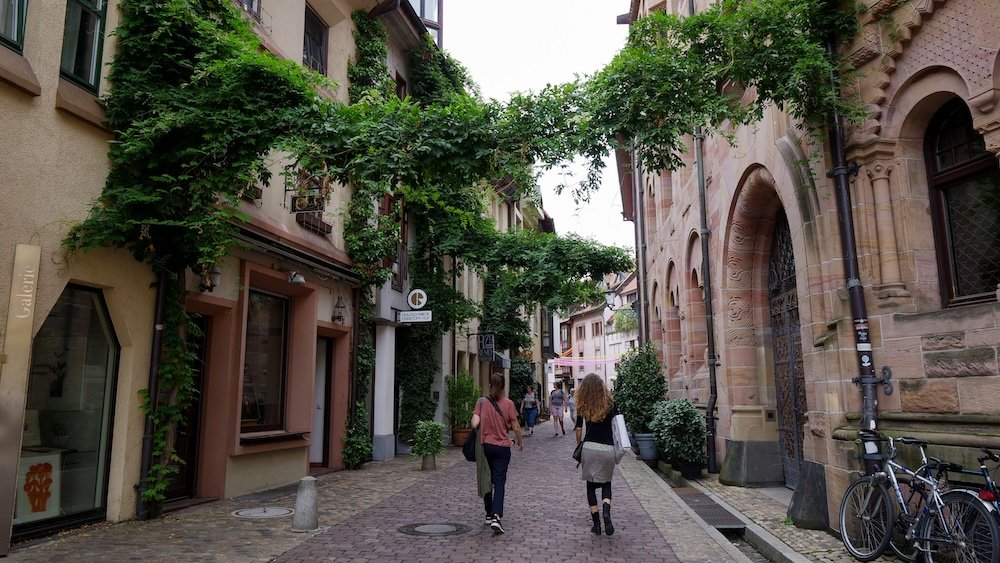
(361, 513)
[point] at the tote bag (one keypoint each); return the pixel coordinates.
(620, 435)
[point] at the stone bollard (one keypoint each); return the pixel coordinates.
(306, 517)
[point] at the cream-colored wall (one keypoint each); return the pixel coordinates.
(259, 472)
(51, 171)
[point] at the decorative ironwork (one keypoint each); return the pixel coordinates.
(786, 340)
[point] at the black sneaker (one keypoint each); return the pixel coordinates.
(497, 527)
(489, 520)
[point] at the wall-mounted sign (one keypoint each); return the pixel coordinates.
(414, 316)
(486, 346)
(417, 298)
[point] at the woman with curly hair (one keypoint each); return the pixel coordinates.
(595, 408)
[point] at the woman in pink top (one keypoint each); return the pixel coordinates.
(495, 416)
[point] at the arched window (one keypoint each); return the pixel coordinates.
(964, 183)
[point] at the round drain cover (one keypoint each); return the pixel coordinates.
(438, 529)
(263, 512)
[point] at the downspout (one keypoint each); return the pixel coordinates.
(142, 506)
(640, 251)
(706, 279)
(855, 291)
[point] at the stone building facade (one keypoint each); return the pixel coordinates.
(925, 206)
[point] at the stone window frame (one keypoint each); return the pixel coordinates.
(938, 182)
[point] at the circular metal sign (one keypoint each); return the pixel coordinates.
(417, 298)
(263, 512)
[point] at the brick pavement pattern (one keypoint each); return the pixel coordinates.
(361, 512)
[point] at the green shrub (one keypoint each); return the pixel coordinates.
(427, 438)
(639, 386)
(358, 442)
(462, 396)
(679, 430)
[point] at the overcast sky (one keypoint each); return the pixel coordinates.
(521, 45)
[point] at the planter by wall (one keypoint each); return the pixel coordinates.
(458, 435)
(647, 446)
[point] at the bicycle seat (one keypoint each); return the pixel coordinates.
(912, 441)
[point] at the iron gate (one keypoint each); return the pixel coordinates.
(786, 341)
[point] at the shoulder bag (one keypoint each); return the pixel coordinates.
(469, 446)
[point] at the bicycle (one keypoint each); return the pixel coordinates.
(954, 525)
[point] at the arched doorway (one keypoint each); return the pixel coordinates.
(786, 342)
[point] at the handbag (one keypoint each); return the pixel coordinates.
(620, 435)
(469, 446)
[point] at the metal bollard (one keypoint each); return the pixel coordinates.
(306, 517)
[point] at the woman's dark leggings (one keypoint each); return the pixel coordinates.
(592, 491)
(499, 458)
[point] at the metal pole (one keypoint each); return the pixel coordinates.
(855, 291)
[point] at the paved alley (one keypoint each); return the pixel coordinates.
(363, 512)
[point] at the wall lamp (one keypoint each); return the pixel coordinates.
(210, 279)
(295, 278)
(338, 310)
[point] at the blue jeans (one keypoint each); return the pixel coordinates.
(499, 458)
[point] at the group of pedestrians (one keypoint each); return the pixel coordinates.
(591, 408)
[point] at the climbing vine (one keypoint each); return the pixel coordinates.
(198, 107)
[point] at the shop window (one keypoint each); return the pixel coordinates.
(314, 42)
(12, 23)
(83, 40)
(965, 206)
(265, 363)
(63, 468)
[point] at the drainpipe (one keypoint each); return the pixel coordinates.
(855, 291)
(640, 250)
(142, 508)
(706, 278)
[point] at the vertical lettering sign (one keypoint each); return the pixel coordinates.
(14, 378)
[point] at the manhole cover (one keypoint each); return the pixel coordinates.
(441, 529)
(263, 512)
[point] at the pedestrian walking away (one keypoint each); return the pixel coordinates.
(596, 409)
(557, 402)
(495, 416)
(529, 408)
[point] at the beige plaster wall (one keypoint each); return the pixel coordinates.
(258, 472)
(52, 169)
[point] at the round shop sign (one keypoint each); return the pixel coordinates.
(417, 298)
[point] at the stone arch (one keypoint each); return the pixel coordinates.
(672, 329)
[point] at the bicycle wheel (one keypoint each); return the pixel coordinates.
(965, 531)
(915, 498)
(866, 515)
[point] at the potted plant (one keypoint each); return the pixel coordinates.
(462, 397)
(638, 387)
(680, 430)
(427, 442)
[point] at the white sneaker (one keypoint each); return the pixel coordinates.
(489, 520)
(497, 527)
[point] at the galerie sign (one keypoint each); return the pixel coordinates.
(14, 377)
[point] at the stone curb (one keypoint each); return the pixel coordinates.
(763, 541)
(716, 535)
